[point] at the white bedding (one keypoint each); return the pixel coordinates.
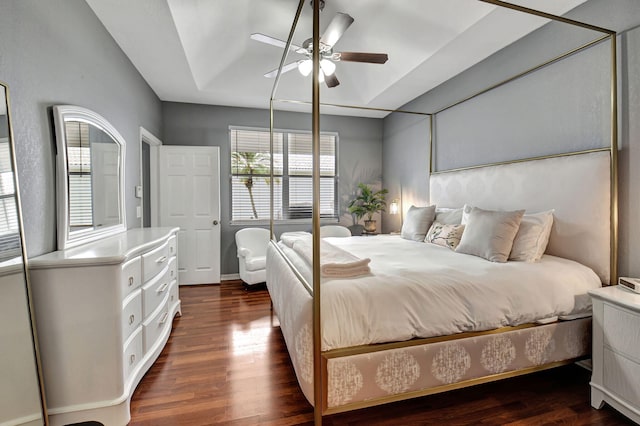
(421, 290)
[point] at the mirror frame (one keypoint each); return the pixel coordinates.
(62, 114)
(23, 265)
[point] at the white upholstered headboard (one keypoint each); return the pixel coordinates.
(577, 187)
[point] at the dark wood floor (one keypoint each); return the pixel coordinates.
(226, 363)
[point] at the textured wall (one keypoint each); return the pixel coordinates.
(359, 153)
(561, 108)
(58, 52)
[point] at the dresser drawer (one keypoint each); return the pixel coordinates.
(155, 261)
(622, 376)
(154, 325)
(132, 353)
(154, 292)
(173, 269)
(131, 313)
(130, 276)
(173, 245)
(621, 330)
(173, 293)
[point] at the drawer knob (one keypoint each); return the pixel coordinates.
(163, 288)
(132, 318)
(161, 259)
(172, 272)
(130, 281)
(164, 318)
(132, 358)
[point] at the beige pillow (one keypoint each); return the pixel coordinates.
(445, 235)
(532, 237)
(490, 234)
(417, 222)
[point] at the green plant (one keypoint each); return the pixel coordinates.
(367, 202)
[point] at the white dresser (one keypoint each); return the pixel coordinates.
(616, 350)
(104, 312)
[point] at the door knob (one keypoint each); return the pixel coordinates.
(215, 222)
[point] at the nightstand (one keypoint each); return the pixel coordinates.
(616, 350)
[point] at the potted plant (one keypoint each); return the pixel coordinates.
(367, 203)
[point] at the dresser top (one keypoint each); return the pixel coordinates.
(111, 250)
(619, 296)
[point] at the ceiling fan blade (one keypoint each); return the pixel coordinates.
(331, 80)
(286, 68)
(373, 58)
(336, 28)
(276, 42)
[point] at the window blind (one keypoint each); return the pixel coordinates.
(292, 158)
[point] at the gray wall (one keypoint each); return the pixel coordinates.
(561, 108)
(58, 52)
(359, 153)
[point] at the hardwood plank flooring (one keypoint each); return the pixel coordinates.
(226, 363)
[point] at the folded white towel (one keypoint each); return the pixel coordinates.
(334, 261)
(288, 238)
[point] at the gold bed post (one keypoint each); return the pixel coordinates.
(318, 378)
(614, 160)
(271, 231)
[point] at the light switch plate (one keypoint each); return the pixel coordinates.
(138, 191)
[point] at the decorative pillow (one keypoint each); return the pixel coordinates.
(447, 216)
(532, 237)
(489, 234)
(466, 210)
(445, 235)
(417, 222)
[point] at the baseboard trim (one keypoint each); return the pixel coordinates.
(229, 277)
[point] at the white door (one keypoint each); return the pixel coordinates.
(190, 199)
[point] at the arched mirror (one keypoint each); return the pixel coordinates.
(21, 400)
(90, 176)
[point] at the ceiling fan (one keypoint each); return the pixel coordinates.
(328, 57)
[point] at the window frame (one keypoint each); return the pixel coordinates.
(285, 177)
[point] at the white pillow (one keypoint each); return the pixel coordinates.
(448, 216)
(466, 209)
(532, 237)
(490, 234)
(417, 222)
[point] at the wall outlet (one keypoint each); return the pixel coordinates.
(138, 191)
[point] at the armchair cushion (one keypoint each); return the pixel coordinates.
(255, 263)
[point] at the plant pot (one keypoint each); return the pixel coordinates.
(356, 230)
(370, 226)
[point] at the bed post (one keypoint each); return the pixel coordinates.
(614, 160)
(318, 377)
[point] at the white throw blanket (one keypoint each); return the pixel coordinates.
(334, 261)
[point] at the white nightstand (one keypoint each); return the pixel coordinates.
(616, 350)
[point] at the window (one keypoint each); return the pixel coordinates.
(293, 198)
(79, 161)
(9, 232)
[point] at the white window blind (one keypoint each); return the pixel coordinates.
(79, 161)
(250, 162)
(9, 231)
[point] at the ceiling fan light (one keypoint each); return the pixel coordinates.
(305, 67)
(327, 66)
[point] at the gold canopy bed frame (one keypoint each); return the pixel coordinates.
(320, 359)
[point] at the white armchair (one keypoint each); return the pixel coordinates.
(252, 254)
(334, 231)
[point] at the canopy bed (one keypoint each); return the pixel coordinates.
(431, 318)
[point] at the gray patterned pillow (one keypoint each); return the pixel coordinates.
(490, 233)
(445, 235)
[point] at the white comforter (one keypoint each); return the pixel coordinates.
(421, 290)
